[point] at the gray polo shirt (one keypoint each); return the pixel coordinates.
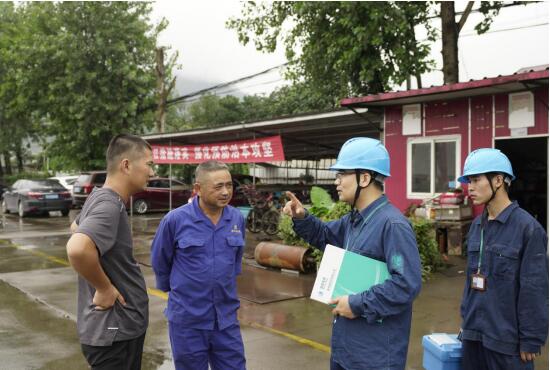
(105, 221)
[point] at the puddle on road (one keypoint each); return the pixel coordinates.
(32, 254)
(35, 337)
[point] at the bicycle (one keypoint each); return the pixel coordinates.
(263, 215)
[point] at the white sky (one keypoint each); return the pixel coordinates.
(211, 54)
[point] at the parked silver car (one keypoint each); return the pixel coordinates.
(67, 181)
(36, 196)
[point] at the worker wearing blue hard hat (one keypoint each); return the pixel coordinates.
(505, 303)
(371, 328)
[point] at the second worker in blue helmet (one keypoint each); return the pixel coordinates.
(371, 329)
(505, 303)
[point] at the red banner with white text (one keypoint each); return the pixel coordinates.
(266, 149)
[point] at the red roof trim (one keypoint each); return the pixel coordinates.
(487, 82)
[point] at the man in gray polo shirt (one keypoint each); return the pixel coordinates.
(112, 298)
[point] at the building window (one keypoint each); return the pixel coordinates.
(421, 167)
(431, 164)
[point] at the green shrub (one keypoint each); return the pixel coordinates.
(287, 234)
(427, 246)
(322, 207)
(328, 210)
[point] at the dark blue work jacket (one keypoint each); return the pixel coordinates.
(512, 314)
(379, 336)
(197, 262)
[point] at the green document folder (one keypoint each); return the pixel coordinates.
(343, 273)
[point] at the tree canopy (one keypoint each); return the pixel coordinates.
(212, 110)
(344, 48)
(80, 71)
(350, 48)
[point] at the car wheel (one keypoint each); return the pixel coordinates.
(5, 207)
(65, 212)
(140, 206)
(21, 209)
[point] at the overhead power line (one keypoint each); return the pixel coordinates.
(215, 87)
(233, 82)
(479, 11)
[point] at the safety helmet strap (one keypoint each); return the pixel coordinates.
(358, 191)
(490, 177)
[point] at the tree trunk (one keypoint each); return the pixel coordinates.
(414, 42)
(163, 91)
(418, 81)
(7, 162)
(160, 89)
(449, 38)
(19, 156)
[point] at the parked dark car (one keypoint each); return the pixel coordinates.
(36, 196)
(84, 185)
(3, 188)
(156, 197)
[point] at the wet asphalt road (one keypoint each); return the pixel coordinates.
(38, 305)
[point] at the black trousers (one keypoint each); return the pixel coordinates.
(123, 355)
(477, 357)
(335, 365)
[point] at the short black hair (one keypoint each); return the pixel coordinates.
(377, 180)
(507, 180)
(209, 166)
(123, 144)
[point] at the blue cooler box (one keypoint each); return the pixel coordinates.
(442, 352)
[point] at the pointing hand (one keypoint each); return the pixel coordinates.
(294, 207)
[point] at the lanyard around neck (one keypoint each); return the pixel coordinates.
(369, 216)
(480, 252)
(484, 219)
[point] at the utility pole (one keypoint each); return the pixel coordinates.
(162, 90)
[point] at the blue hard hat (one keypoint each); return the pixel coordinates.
(363, 153)
(486, 160)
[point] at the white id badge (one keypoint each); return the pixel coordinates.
(478, 282)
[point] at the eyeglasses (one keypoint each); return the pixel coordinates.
(341, 174)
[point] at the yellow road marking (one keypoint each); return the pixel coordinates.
(162, 295)
(46, 256)
(158, 293)
(296, 338)
(307, 342)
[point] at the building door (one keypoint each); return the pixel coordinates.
(529, 157)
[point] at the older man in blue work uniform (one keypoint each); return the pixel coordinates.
(371, 329)
(196, 256)
(505, 304)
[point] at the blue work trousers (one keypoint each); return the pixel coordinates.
(194, 349)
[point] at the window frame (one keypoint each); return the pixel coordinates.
(432, 140)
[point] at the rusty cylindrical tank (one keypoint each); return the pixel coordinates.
(284, 256)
